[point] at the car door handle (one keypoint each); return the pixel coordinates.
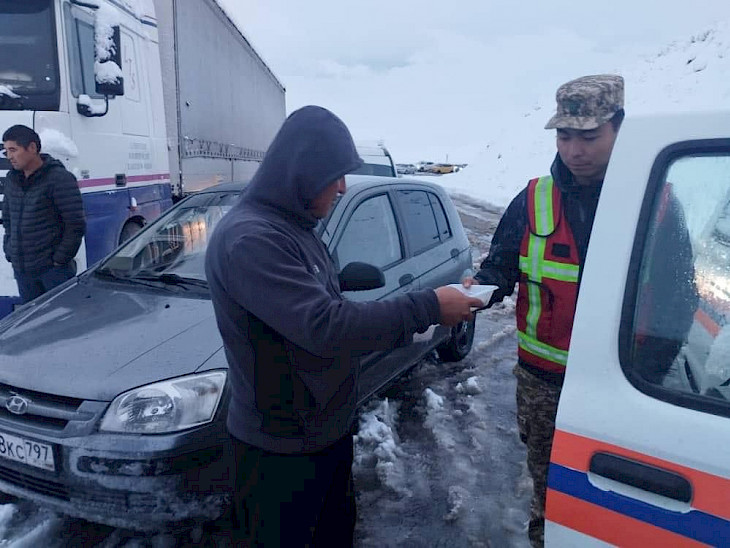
(454, 253)
(405, 279)
(642, 476)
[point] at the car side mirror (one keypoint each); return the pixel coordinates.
(358, 276)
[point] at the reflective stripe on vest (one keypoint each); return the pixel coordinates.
(538, 269)
(545, 351)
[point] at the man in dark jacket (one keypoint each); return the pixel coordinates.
(292, 340)
(43, 215)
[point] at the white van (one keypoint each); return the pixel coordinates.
(644, 459)
(377, 161)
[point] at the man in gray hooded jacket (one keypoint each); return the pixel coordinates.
(292, 340)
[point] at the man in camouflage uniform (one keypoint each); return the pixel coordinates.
(541, 243)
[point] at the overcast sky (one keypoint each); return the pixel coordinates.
(430, 78)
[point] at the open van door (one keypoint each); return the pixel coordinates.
(641, 454)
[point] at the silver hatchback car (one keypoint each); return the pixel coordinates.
(113, 386)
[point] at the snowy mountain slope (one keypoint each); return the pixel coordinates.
(693, 74)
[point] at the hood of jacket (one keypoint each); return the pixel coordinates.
(49, 163)
(312, 149)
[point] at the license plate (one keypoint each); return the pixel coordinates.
(27, 451)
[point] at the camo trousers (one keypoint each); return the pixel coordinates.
(537, 405)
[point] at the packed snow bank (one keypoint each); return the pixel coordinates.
(58, 144)
(686, 75)
(377, 445)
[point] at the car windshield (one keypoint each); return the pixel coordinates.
(172, 249)
(28, 65)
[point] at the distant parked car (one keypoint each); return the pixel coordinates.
(114, 386)
(442, 168)
(425, 166)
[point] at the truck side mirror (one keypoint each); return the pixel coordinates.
(108, 60)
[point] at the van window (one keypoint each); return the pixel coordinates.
(680, 332)
(376, 161)
(370, 236)
(374, 169)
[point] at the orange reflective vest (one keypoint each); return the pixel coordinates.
(548, 285)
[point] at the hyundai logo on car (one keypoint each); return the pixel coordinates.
(17, 405)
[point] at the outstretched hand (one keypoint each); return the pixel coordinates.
(455, 306)
(468, 282)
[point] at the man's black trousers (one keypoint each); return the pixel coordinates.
(294, 500)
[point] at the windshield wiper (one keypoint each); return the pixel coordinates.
(109, 275)
(169, 278)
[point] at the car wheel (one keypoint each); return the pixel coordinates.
(459, 345)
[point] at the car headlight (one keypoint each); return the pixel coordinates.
(167, 406)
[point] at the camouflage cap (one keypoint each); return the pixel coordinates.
(588, 102)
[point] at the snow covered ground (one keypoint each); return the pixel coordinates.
(438, 460)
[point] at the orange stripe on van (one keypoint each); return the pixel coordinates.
(609, 526)
(707, 322)
(711, 494)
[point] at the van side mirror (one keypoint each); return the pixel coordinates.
(358, 276)
(108, 59)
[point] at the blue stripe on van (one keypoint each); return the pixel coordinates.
(694, 524)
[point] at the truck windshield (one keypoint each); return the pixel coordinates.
(28, 59)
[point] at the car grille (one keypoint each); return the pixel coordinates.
(101, 500)
(115, 500)
(38, 485)
(47, 413)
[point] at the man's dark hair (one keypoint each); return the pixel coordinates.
(617, 119)
(22, 135)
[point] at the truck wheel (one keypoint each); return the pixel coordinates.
(130, 229)
(459, 345)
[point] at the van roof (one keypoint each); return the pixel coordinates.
(368, 150)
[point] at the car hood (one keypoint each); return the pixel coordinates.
(95, 340)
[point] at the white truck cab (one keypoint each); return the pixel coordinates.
(144, 101)
(638, 459)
